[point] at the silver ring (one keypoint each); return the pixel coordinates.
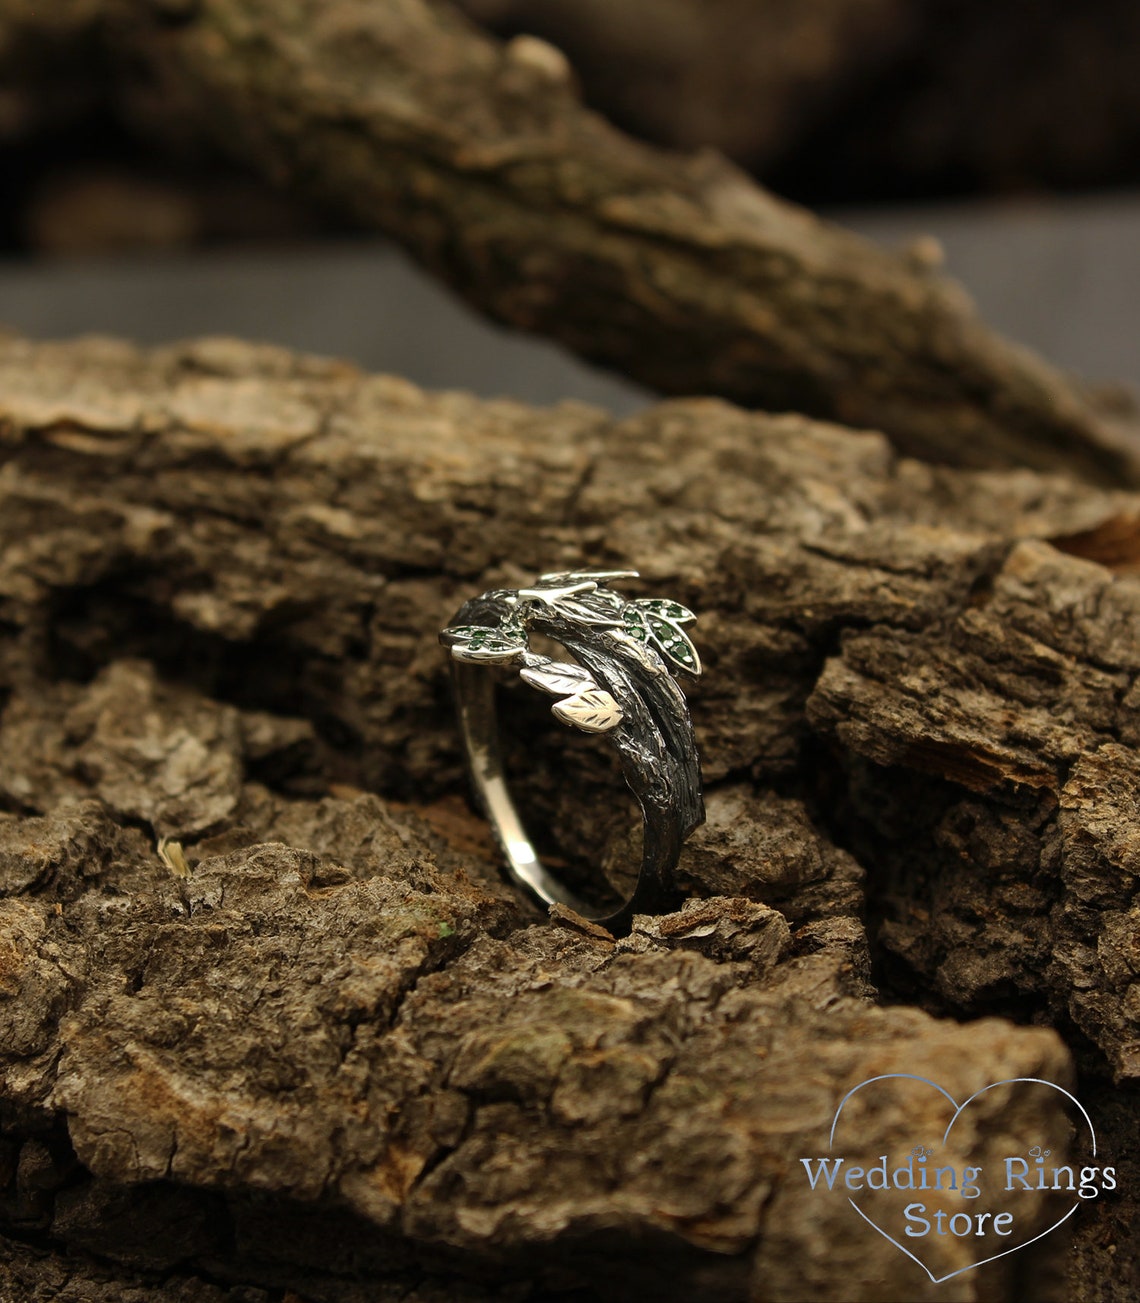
(620, 683)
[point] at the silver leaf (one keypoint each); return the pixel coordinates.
(591, 608)
(558, 678)
(592, 710)
(603, 576)
(493, 649)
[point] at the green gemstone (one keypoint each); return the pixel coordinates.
(635, 625)
(666, 609)
(672, 643)
(486, 638)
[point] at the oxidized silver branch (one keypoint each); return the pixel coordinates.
(620, 683)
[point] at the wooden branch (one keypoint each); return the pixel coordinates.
(677, 271)
(222, 570)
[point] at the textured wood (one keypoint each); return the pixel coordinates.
(318, 1042)
(676, 270)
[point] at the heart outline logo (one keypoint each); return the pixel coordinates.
(958, 1110)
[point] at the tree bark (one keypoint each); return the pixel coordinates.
(676, 270)
(314, 1043)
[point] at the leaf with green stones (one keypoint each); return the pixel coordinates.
(633, 624)
(665, 609)
(673, 643)
(465, 632)
(481, 643)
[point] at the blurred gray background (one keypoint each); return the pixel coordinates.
(1062, 277)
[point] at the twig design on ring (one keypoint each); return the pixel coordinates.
(621, 682)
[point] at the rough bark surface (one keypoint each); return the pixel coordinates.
(310, 1042)
(676, 270)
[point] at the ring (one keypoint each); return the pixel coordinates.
(620, 683)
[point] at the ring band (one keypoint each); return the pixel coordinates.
(619, 683)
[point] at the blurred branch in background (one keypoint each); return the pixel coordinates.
(675, 270)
